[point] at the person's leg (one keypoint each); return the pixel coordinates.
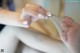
(8, 41)
(40, 41)
(22, 48)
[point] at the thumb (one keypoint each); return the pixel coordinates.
(68, 21)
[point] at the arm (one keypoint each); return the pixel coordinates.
(9, 18)
(13, 19)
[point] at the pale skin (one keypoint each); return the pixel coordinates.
(32, 39)
(71, 30)
(71, 34)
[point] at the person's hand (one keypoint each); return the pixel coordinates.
(71, 34)
(33, 12)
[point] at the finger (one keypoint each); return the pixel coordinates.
(28, 21)
(45, 12)
(26, 14)
(35, 11)
(23, 15)
(64, 26)
(63, 37)
(39, 11)
(35, 14)
(69, 22)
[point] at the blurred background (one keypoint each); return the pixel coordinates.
(61, 8)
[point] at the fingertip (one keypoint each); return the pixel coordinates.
(25, 22)
(63, 37)
(68, 21)
(40, 15)
(49, 14)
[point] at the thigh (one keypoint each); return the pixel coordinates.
(22, 48)
(8, 40)
(40, 42)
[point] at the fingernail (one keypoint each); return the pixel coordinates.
(25, 22)
(40, 16)
(49, 14)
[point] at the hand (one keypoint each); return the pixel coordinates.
(33, 12)
(71, 34)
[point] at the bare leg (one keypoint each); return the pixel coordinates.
(8, 41)
(40, 41)
(27, 49)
